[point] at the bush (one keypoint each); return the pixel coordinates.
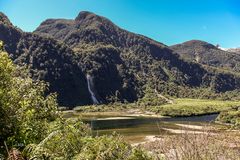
(109, 148)
(71, 140)
(152, 98)
(24, 109)
(231, 117)
(63, 141)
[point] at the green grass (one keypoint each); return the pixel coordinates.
(116, 107)
(180, 107)
(190, 107)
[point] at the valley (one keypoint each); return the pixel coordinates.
(85, 88)
(136, 123)
(164, 136)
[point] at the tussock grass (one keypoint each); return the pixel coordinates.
(188, 146)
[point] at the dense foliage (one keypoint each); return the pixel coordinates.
(231, 116)
(152, 98)
(50, 61)
(129, 61)
(208, 54)
(62, 52)
(32, 128)
(113, 82)
(25, 111)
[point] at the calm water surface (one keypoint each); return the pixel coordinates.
(135, 129)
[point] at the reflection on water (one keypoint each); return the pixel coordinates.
(136, 128)
(123, 122)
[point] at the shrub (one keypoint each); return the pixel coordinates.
(24, 109)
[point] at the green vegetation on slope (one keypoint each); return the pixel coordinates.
(49, 61)
(119, 62)
(208, 54)
(123, 62)
(32, 128)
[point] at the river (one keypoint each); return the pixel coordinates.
(136, 128)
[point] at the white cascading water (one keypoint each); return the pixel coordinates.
(90, 89)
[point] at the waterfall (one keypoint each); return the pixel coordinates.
(91, 88)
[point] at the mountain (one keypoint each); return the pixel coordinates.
(48, 60)
(144, 57)
(234, 50)
(208, 54)
(4, 19)
(90, 59)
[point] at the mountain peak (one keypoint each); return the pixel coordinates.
(4, 19)
(199, 43)
(84, 15)
(89, 17)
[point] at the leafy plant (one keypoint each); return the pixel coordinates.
(24, 109)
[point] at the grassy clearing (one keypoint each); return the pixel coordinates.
(179, 107)
(116, 107)
(191, 107)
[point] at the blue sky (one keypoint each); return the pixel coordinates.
(167, 21)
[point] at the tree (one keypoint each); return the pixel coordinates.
(152, 97)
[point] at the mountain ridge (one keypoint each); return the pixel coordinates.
(208, 54)
(120, 63)
(48, 60)
(129, 44)
(234, 50)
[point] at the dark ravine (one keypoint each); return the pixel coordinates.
(62, 52)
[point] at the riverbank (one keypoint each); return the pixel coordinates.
(134, 127)
(202, 144)
(192, 107)
(177, 108)
(86, 114)
(193, 141)
(165, 136)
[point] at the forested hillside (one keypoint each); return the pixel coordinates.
(146, 60)
(32, 128)
(120, 63)
(208, 54)
(48, 60)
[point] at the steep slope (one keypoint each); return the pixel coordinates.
(49, 61)
(143, 60)
(92, 55)
(208, 54)
(4, 19)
